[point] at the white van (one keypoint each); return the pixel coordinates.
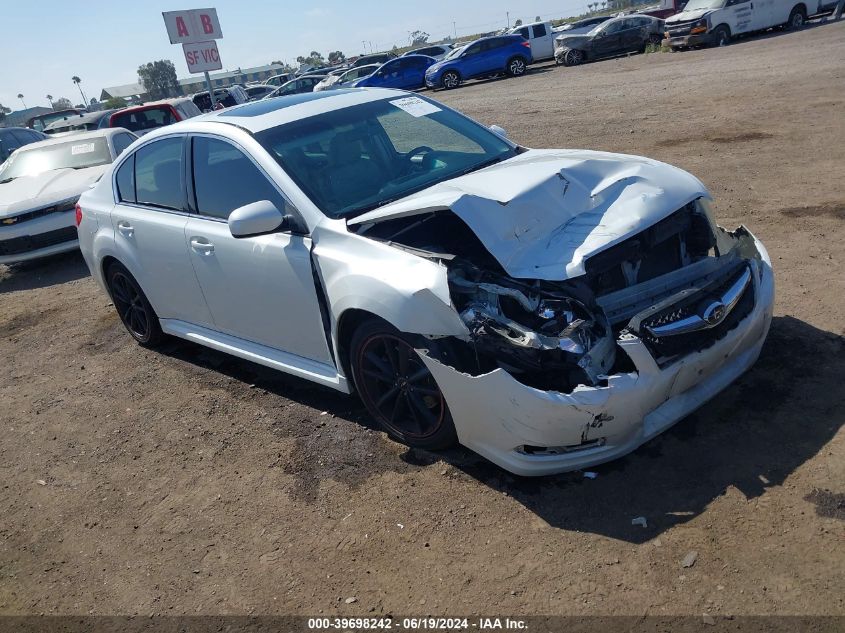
(541, 38)
(715, 22)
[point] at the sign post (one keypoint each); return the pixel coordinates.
(196, 30)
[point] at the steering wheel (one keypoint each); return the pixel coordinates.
(425, 161)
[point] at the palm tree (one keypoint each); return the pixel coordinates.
(20, 96)
(50, 99)
(78, 83)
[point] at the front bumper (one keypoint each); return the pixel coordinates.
(40, 237)
(497, 416)
(686, 41)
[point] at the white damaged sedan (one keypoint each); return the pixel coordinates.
(548, 309)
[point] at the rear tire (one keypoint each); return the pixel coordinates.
(450, 80)
(797, 19)
(132, 306)
(516, 66)
(721, 35)
(397, 388)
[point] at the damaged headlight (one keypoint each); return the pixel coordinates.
(527, 328)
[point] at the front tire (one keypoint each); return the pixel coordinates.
(397, 388)
(132, 306)
(573, 57)
(450, 80)
(516, 67)
(721, 36)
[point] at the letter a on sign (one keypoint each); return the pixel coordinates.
(193, 26)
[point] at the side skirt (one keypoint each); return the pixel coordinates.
(314, 371)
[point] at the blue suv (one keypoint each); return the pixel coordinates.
(488, 56)
(407, 73)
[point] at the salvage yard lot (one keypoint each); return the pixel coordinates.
(187, 482)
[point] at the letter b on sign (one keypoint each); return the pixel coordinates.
(207, 26)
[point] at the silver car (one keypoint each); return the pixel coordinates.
(39, 188)
(548, 309)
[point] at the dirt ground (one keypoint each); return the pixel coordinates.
(187, 482)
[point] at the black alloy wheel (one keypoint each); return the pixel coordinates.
(398, 389)
(132, 306)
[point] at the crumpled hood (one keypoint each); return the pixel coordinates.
(686, 16)
(542, 213)
(572, 40)
(32, 192)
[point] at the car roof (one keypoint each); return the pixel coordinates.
(81, 136)
(257, 116)
(74, 119)
(154, 104)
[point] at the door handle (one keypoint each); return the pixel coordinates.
(125, 228)
(202, 246)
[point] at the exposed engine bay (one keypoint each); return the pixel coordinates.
(556, 335)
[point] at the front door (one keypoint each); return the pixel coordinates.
(149, 230)
(608, 41)
(741, 16)
(262, 288)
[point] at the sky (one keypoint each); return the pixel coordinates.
(103, 42)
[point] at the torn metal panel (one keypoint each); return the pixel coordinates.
(542, 213)
(409, 292)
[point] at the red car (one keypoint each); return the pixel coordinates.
(149, 116)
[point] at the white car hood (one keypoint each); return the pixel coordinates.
(685, 16)
(542, 213)
(32, 192)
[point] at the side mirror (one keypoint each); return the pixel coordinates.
(498, 130)
(255, 219)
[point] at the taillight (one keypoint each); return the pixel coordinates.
(78, 214)
(526, 44)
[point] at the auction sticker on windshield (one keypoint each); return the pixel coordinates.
(84, 148)
(415, 106)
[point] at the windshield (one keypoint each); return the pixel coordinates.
(76, 154)
(455, 52)
(695, 5)
(351, 160)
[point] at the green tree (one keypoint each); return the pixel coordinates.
(159, 79)
(3, 111)
(78, 83)
(62, 103)
(418, 37)
(336, 57)
(113, 103)
(518, 23)
(537, 19)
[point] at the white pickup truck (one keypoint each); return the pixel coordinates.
(541, 36)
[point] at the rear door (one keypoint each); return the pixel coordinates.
(261, 288)
(149, 230)
(413, 72)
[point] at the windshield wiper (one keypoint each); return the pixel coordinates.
(3, 182)
(486, 163)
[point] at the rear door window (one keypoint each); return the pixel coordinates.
(146, 119)
(539, 30)
(158, 174)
